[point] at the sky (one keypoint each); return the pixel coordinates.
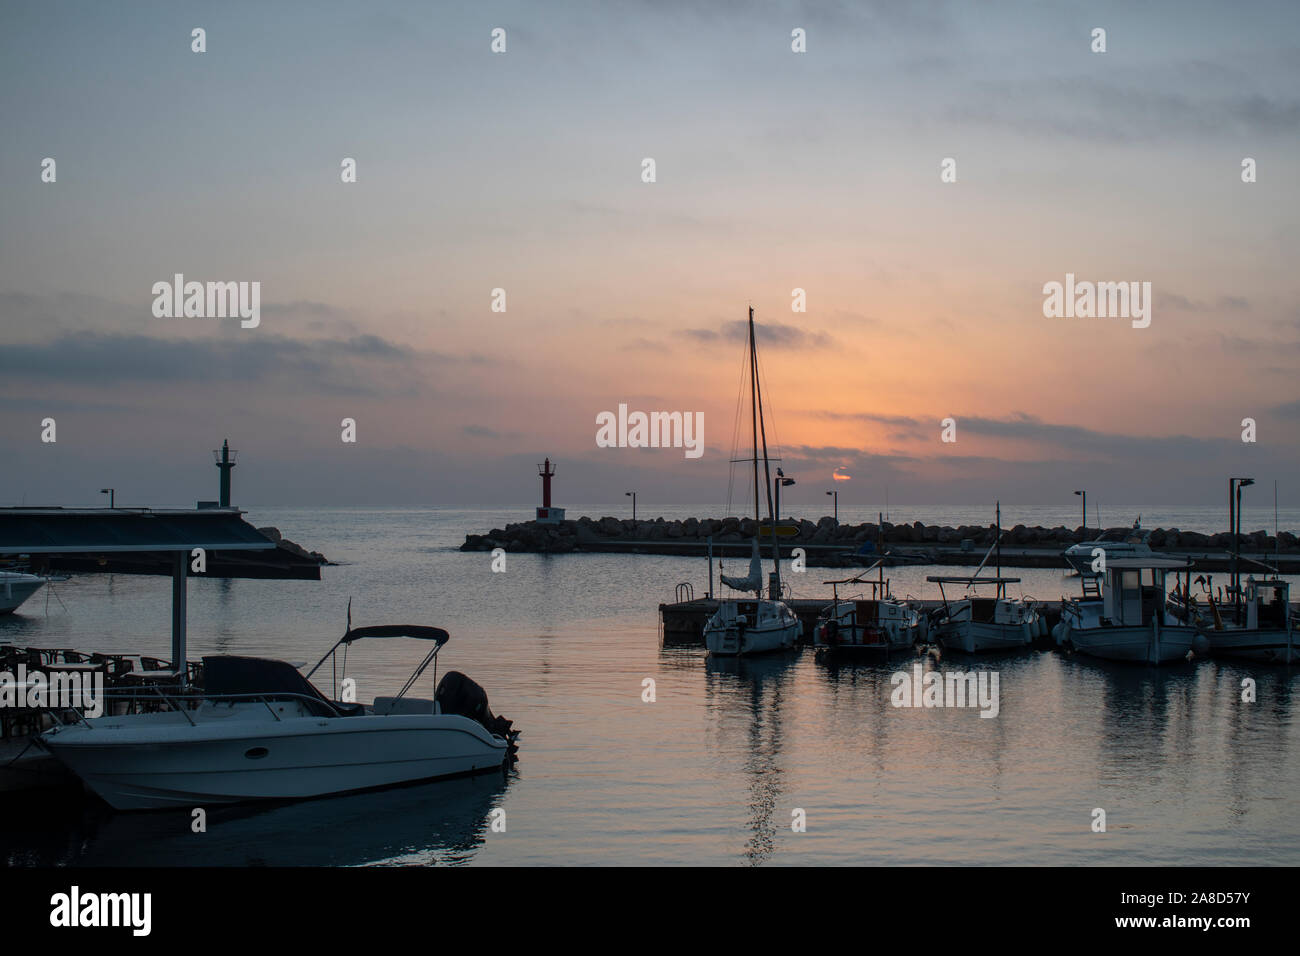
(523, 171)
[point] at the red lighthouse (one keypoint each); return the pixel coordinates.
(546, 514)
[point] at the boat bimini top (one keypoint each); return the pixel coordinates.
(418, 632)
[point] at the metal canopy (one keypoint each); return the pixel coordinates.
(418, 631)
(119, 530)
(1155, 562)
(958, 580)
(110, 530)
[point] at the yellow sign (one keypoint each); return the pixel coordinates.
(785, 530)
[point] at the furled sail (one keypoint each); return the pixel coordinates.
(752, 581)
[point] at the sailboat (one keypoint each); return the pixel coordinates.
(742, 627)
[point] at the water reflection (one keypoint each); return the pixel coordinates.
(752, 692)
(443, 822)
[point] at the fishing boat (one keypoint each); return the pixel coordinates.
(975, 622)
(1259, 627)
(1132, 620)
(15, 588)
(260, 730)
(862, 626)
(761, 625)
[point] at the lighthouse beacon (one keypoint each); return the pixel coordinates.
(546, 514)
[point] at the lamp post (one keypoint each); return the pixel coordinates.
(1085, 512)
(1234, 522)
(836, 496)
(110, 493)
(632, 495)
(781, 479)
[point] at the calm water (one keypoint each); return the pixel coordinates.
(710, 772)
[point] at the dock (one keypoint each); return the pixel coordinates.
(683, 621)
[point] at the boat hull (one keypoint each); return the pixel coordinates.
(1135, 644)
(17, 588)
(1271, 646)
(733, 641)
(145, 767)
(973, 637)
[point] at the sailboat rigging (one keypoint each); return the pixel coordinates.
(750, 627)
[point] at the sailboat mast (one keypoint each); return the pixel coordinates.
(997, 544)
(753, 408)
(767, 469)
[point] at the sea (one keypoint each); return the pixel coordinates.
(634, 752)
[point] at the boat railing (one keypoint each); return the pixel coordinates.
(184, 702)
(684, 592)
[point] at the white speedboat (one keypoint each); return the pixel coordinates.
(1115, 543)
(872, 626)
(15, 588)
(758, 626)
(262, 731)
(1132, 620)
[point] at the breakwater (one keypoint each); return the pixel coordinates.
(828, 544)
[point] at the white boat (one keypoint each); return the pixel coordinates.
(1115, 543)
(15, 588)
(866, 626)
(262, 731)
(1261, 627)
(1132, 620)
(761, 625)
(975, 623)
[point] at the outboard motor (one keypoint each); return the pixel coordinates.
(457, 694)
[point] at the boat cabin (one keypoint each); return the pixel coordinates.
(1267, 604)
(1134, 589)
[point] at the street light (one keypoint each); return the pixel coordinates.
(781, 479)
(1085, 511)
(109, 492)
(1234, 526)
(632, 495)
(836, 495)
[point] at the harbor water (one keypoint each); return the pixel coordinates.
(719, 765)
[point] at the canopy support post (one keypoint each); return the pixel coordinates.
(179, 569)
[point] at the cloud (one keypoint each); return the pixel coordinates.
(769, 334)
(1021, 426)
(1174, 302)
(482, 431)
(362, 365)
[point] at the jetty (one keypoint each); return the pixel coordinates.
(829, 544)
(683, 621)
